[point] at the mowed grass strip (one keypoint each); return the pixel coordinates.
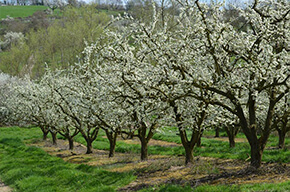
(19, 11)
(31, 169)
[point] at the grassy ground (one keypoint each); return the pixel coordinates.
(281, 187)
(19, 11)
(29, 168)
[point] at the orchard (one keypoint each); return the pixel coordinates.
(194, 72)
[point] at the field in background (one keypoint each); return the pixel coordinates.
(25, 11)
(19, 11)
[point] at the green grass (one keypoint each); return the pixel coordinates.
(31, 169)
(19, 11)
(269, 187)
(25, 11)
(4, 53)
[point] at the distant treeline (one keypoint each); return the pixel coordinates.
(22, 2)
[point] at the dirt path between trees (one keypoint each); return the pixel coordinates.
(152, 142)
(161, 169)
(226, 139)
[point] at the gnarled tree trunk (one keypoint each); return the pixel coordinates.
(195, 137)
(145, 138)
(112, 137)
(45, 133)
(90, 135)
(232, 142)
(198, 144)
(189, 144)
(188, 154)
(232, 131)
(144, 150)
(256, 156)
(217, 132)
(54, 139)
(250, 130)
(282, 135)
(231, 136)
(71, 143)
(89, 146)
(112, 149)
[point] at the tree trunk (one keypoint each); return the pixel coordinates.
(54, 139)
(282, 135)
(232, 140)
(188, 145)
(256, 156)
(144, 150)
(71, 143)
(217, 132)
(112, 148)
(231, 135)
(45, 133)
(112, 137)
(89, 147)
(188, 155)
(198, 144)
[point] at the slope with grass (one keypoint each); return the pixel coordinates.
(19, 11)
(28, 169)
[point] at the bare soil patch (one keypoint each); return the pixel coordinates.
(226, 139)
(160, 169)
(4, 188)
(153, 142)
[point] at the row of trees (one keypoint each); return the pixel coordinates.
(56, 3)
(194, 72)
